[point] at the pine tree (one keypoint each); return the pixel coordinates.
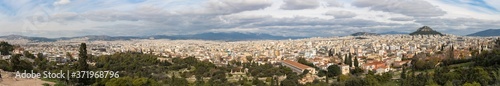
(329, 52)
(356, 63)
(82, 63)
(15, 62)
(451, 52)
(403, 57)
(5, 48)
(482, 48)
(442, 47)
(348, 60)
(403, 73)
(497, 43)
(345, 59)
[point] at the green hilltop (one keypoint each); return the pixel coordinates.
(426, 30)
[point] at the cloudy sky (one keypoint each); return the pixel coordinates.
(63, 18)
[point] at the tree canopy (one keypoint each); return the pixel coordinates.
(5, 48)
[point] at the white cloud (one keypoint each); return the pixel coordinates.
(65, 16)
(333, 3)
(62, 2)
(341, 14)
(493, 3)
(416, 8)
(232, 6)
(299, 4)
(276, 17)
(459, 26)
(463, 11)
(402, 19)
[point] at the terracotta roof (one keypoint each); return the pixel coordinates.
(383, 67)
(374, 63)
(296, 64)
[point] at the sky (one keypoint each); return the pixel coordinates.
(311, 18)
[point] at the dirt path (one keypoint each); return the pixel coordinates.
(8, 79)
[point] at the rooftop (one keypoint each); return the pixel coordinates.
(296, 64)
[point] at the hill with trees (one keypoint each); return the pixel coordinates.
(426, 30)
(364, 34)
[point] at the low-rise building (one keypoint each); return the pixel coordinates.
(297, 67)
(345, 69)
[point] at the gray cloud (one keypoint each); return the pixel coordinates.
(65, 17)
(296, 26)
(209, 9)
(341, 14)
(416, 8)
(307, 26)
(458, 26)
(144, 13)
(221, 7)
(231, 16)
(401, 19)
(308, 21)
(155, 20)
(299, 4)
(333, 3)
(62, 2)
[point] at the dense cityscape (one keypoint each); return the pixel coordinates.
(388, 49)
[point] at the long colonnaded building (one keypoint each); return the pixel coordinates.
(297, 67)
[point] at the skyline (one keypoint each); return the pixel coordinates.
(66, 18)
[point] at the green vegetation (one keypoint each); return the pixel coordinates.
(333, 71)
(17, 65)
(348, 60)
(425, 30)
(482, 70)
(5, 48)
(5, 65)
(356, 62)
(128, 81)
(82, 65)
(305, 62)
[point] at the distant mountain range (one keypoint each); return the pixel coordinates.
(33, 39)
(101, 38)
(392, 32)
(489, 32)
(232, 36)
(364, 34)
(426, 30)
(376, 34)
